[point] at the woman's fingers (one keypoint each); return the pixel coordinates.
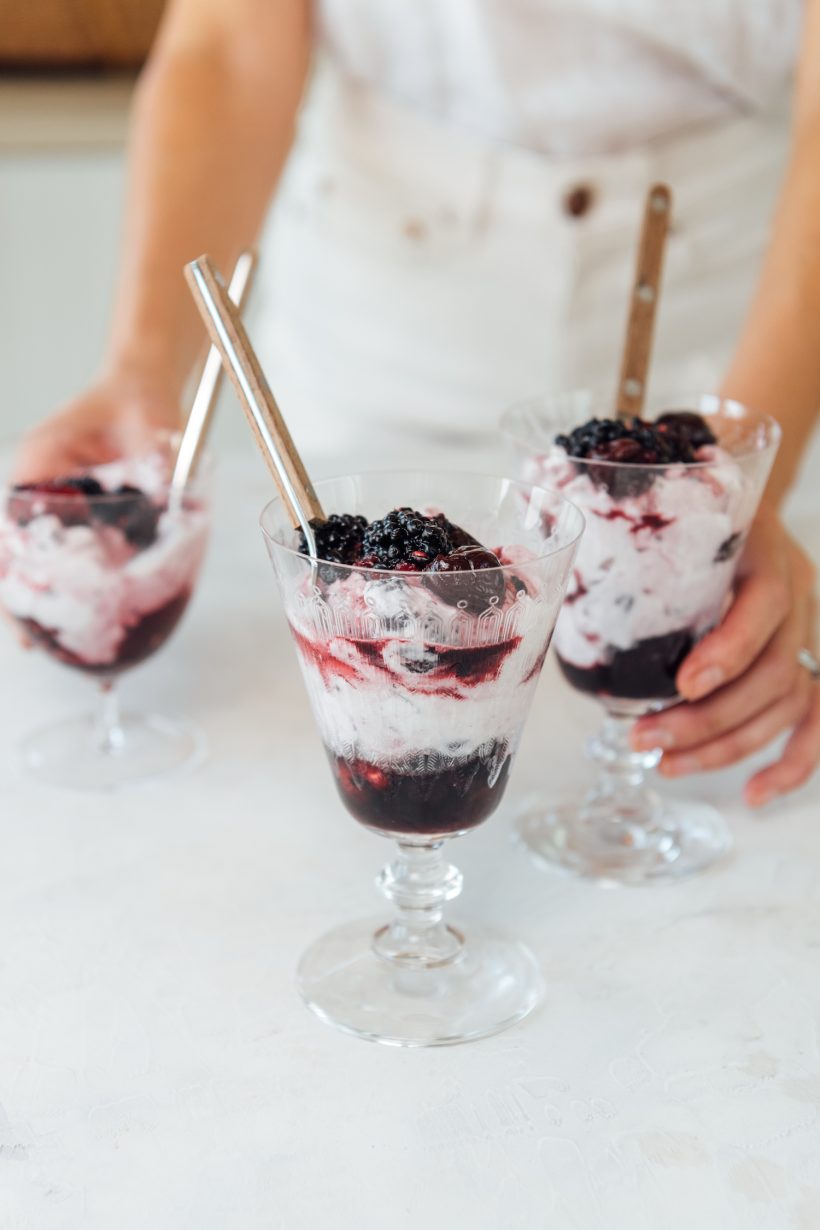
(102, 424)
(745, 739)
(743, 681)
(49, 451)
(760, 607)
(762, 602)
(797, 763)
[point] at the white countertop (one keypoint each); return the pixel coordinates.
(157, 1068)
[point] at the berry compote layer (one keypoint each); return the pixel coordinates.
(420, 663)
(95, 567)
(667, 511)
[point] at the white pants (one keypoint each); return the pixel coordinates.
(417, 279)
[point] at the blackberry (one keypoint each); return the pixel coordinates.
(728, 548)
(675, 438)
(458, 537)
(57, 497)
(132, 512)
(338, 539)
(86, 485)
(405, 536)
(478, 589)
(592, 435)
(632, 441)
(688, 430)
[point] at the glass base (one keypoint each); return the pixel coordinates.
(147, 748)
(491, 984)
(684, 838)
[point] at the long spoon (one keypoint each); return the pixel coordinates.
(228, 335)
(195, 433)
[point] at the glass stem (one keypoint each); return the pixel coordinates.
(620, 792)
(109, 735)
(419, 883)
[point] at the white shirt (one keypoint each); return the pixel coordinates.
(569, 77)
(425, 268)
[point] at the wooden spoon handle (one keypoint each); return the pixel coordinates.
(641, 324)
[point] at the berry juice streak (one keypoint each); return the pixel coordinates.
(446, 800)
(139, 642)
(443, 666)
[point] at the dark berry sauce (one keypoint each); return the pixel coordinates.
(476, 665)
(139, 642)
(647, 671)
(438, 802)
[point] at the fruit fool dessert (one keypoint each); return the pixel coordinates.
(96, 568)
(667, 510)
(420, 653)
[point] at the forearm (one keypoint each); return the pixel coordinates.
(211, 129)
(776, 367)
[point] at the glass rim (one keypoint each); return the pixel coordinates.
(570, 544)
(680, 401)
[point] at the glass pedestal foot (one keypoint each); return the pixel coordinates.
(489, 984)
(681, 839)
(80, 754)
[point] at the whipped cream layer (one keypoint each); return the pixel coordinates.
(652, 563)
(397, 677)
(86, 585)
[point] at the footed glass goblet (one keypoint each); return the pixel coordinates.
(420, 682)
(653, 575)
(97, 569)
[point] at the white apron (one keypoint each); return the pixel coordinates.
(418, 278)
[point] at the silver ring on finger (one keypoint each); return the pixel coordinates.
(808, 661)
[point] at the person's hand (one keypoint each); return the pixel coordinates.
(114, 418)
(743, 682)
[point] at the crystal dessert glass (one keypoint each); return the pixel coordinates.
(654, 573)
(420, 683)
(97, 569)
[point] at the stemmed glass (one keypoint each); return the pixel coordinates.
(97, 569)
(654, 573)
(420, 685)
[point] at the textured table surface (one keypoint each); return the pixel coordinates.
(157, 1068)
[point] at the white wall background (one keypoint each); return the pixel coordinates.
(59, 224)
(62, 170)
(61, 185)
